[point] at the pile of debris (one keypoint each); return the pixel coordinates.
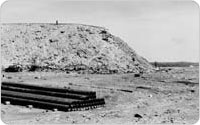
(67, 47)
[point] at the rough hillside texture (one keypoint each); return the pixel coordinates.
(67, 47)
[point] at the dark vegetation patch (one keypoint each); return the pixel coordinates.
(173, 64)
(13, 68)
(79, 68)
(34, 68)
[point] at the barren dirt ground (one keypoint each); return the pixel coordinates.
(162, 97)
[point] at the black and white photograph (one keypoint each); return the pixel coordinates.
(99, 62)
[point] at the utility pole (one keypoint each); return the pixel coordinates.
(155, 64)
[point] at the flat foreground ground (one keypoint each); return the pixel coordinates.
(161, 97)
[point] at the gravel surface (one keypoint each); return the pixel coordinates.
(154, 98)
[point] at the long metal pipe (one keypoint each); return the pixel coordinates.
(49, 93)
(22, 85)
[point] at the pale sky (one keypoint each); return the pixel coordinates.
(163, 30)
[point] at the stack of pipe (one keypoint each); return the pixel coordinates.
(49, 97)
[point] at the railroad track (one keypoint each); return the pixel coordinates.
(49, 97)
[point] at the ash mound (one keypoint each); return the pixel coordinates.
(67, 47)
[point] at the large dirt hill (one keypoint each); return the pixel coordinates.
(67, 47)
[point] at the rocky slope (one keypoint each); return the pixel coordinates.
(67, 47)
